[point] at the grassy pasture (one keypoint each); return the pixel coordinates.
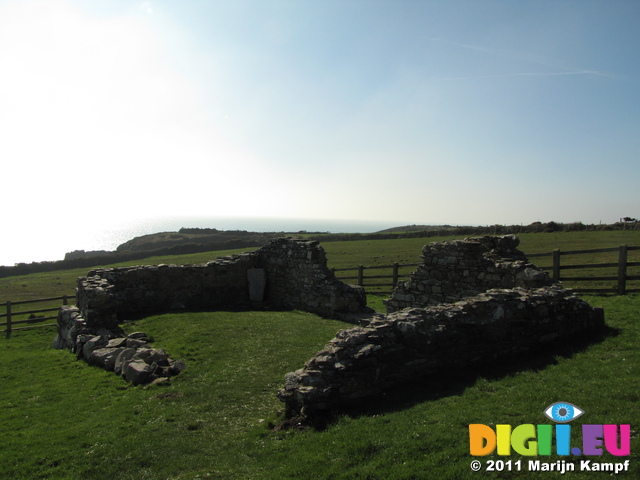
(350, 254)
(408, 251)
(60, 418)
(339, 255)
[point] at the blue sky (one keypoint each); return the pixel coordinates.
(402, 111)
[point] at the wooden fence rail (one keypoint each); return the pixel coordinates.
(10, 322)
(622, 264)
(360, 277)
(621, 278)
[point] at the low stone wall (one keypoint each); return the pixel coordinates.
(417, 342)
(113, 294)
(458, 269)
(286, 273)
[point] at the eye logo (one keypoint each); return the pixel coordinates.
(563, 412)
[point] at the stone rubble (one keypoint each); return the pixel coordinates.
(130, 356)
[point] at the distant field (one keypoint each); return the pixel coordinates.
(380, 252)
(341, 255)
(408, 251)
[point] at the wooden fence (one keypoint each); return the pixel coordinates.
(619, 280)
(33, 319)
(620, 267)
(380, 283)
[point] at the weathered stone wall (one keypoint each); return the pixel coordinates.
(286, 273)
(297, 277)
(491, 303)
(141, 290)
(95, 299)
(458, 269)
(471, 301)
(416, 342)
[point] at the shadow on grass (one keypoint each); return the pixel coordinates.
(454, 382)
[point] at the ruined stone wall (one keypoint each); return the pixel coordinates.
(297, 277)
(414, 343)
(143, 290)
(471, 301)
(286, 273)
(458, 269)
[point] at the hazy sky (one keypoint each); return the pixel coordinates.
(429, 112)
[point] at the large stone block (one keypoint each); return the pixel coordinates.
(257, 284)
(104, 357)
(138, 372)
(123, 358)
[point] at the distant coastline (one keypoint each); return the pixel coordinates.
(54, 245)
(202, 239)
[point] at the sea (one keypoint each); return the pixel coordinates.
(55, 244)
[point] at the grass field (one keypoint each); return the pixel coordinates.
(408, 251)
(60, 418)
(339, 255)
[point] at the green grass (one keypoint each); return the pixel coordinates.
(408, 251)
(339, 255)
(571, 241)
(61, 418)
(385, 252)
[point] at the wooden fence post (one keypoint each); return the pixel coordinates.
(8, 318)
(556, 264)
(395, 274)
(360, 275)
(622, 270)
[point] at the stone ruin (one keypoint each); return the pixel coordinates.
(452, 271)
(284, 274)
(471, 301)
(128, 355)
